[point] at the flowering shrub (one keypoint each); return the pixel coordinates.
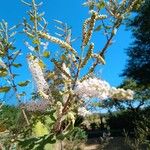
(62, 92)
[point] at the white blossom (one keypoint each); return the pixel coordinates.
(82, 111)
(121, 93)
(93, 88)
(37, 74)
(97, 88)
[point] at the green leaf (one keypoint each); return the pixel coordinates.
(91, 7)
(32, 18)
(100, 5)
(17, 65)
(2, 53)
(39, 129)
(22, 94)
(11, 47)
(38, 143)
(36, 41)
(3, 72)
(4, 89)
(41, 64)
(52, 113)
(63, 57)
(36, 48)
(27, 144)
(60, 136)
(50, 139)
(108, 27)
(24, 83)
(98, 28)
(39, 18)
(46, 54)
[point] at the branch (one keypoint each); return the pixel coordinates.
(57, 41)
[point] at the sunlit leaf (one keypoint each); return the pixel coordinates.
(63, 57)
(17, 65)
(50, 75)
(100, 5)
(46, 54)
(3, 72)
(41, 64)
(4, 89)
(98, 28)
(108, 27)
(36, 41)
(24, 83)
(40, 129)
(22, 94)
(32, 18)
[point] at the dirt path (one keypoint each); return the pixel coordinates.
(91, 144)
(91, 147)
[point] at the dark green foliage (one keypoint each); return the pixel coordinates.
(141, 138)
(10, 118)
(130, 121)
(136, 117)
(77, 134)
(37, 143)
(138, 66)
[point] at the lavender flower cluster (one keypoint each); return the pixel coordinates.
(34, 106)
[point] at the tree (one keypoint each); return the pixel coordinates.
(137, 74)
(138, 66)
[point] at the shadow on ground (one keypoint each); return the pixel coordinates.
(117, 143)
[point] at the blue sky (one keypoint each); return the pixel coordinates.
(73, 13)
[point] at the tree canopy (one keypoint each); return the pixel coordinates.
(138, 66)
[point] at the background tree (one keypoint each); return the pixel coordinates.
(137, 70)
(138, 66)
(136, 75)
